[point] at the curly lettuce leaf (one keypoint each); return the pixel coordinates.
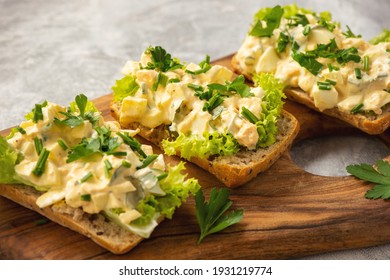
(127, 86)
(177, 189)
(384, 36)
(202, 147)
(8, 160)
(272, 105)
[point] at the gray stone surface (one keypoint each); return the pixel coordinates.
(56, 49)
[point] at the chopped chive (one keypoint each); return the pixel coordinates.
(358, 73)
(20, 129)
(133, 143)
(86, 177)
(332, 68)
(126, 164)
(38, 115)
(388, 50)
(161, 80)
(85, 197)
(247, 114)
(306, 30)
(40, 167)
(162, 176)
(62, 144)
(387, 89)
(38, 145)
(365, 63)
(117, 154)
(148, 160)
(357, 109)
(107, 167)
(324, 86)
(333, 83)
(195, 87)
(174, 80)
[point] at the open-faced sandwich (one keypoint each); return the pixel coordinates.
(204, 115)
(335, 72)
(89, 175)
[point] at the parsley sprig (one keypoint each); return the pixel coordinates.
(102, 144)
(86, 112)
(379, 176)
(272, 21)
(161, 60)
(212, 216)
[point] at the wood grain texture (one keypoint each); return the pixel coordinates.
(288, 213)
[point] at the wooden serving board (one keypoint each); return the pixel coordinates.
(288, 213)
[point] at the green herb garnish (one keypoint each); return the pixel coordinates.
(107, 168)
(162, 176)
(85, 178)
(272, 21)
(298, 19)
(148, 160)
(379, 176)
(333, 68)
(38, 144)
(40, 166)
(366, 63)
(161, 80)
(212, 216)
(324, 86)
(282, 42)
(174, 80)
(204, 67)
(308, 62)
(357, 109)
(350, 34)
(247, 114)
(85, 197)
(358, 73)
(38, 115)
(133, 143)
(126, 164)
(306, 30)
(161, 60)
(62, 144)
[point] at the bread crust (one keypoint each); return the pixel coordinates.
(94, 226)
(369, 124)
(232, 170)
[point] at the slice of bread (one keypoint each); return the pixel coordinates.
(233, 170)
(371, 124)
(102, 231)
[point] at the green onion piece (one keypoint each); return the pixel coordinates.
(126, 164)
(38, 115)
(162, 176)
(133, 143)
(333, 83)
(358, 73)
(324, 86)
(195, 87)
(117, 154)
(86, 177)
(332, 68)
(85, 197)
(357, 108)
(148, 160)
(20, 129)
(107, 167)
(365, 63)
(38, 145)
(174, 80)
(161, 80)
(62, 144)
(247, 114)
(306, 30)
(40, 167)
(388, 50)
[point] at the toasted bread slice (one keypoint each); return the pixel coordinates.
(371, 124)
(232, 170)
(102, 231)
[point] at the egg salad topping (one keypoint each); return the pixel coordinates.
(206, 110)
(307, 50)
(73, 155)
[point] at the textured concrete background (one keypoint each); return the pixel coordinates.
(53, 50)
